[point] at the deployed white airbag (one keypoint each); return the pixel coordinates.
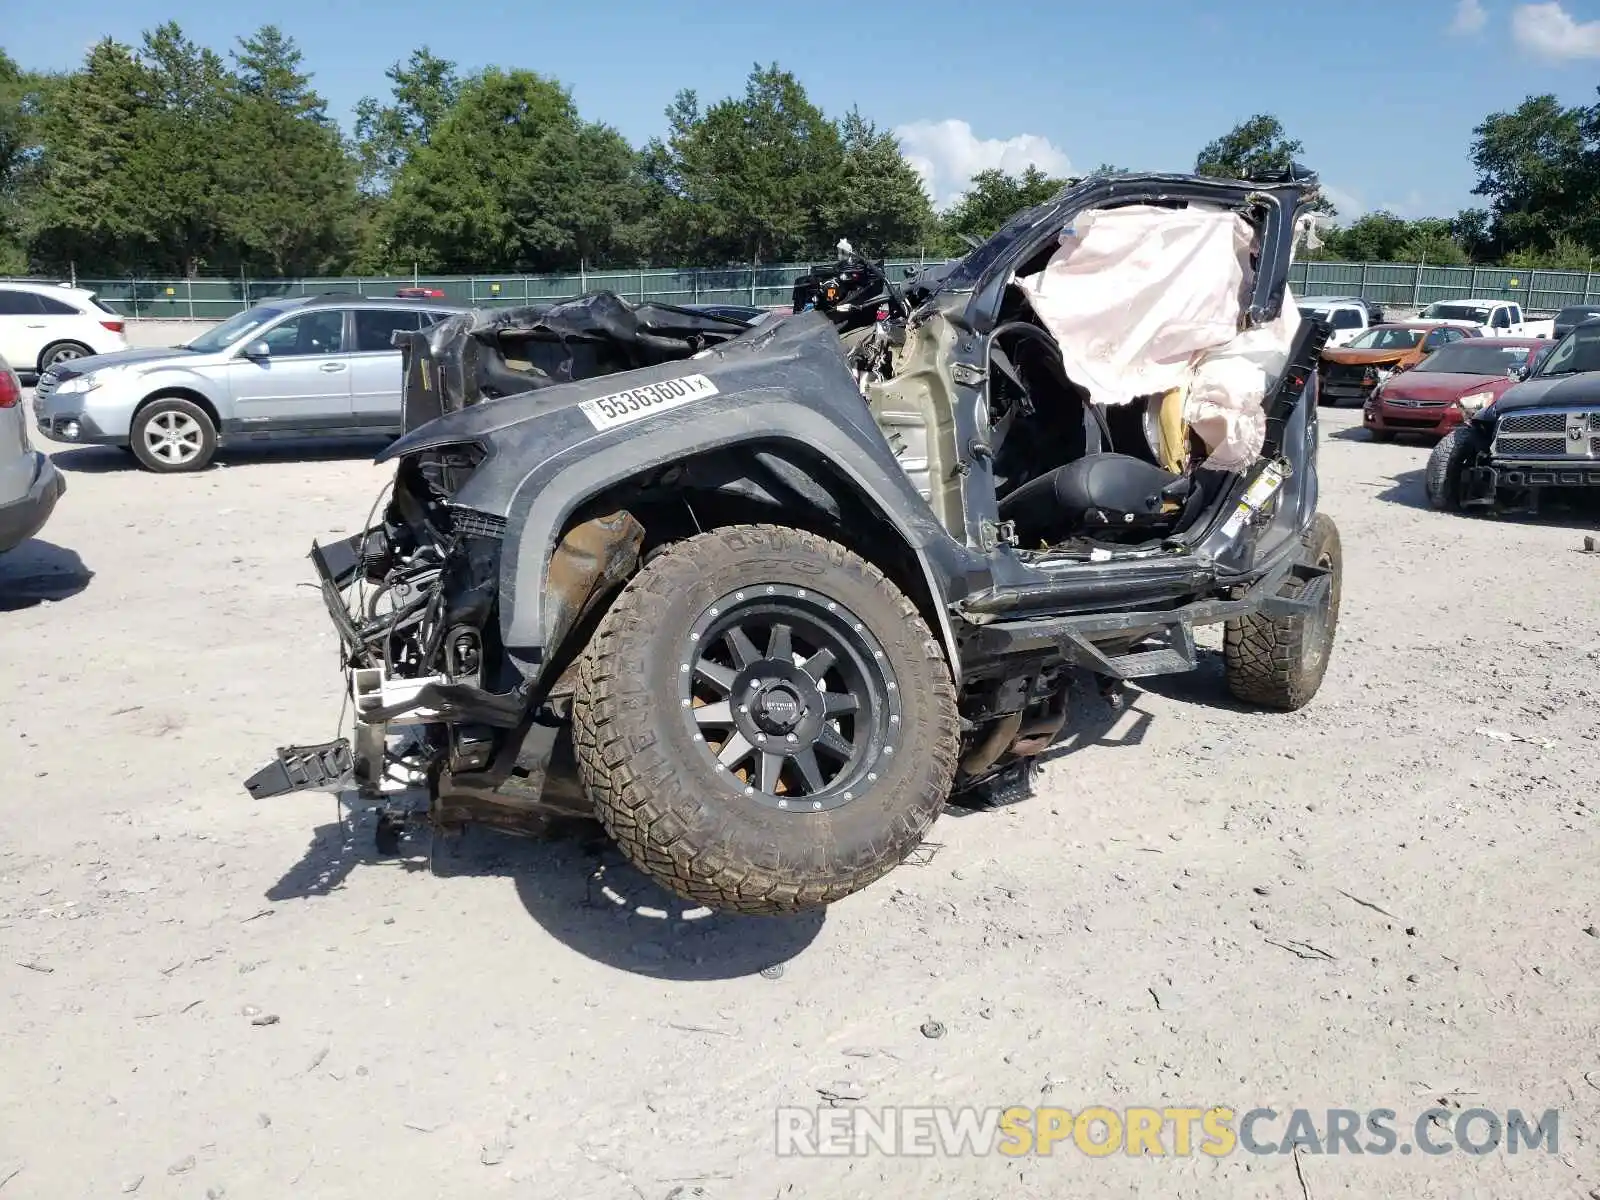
(1145, 299)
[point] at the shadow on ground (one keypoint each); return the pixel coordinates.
(1407, 488)
(1571, 511)
(581, 890)
(103, 460)
(38, 571)
(1358, 433)
(1205, 686)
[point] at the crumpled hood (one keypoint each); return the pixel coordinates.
(1557, 391)
(73, 368)
(1369, 358)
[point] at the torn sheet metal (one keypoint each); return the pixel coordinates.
(487, 354)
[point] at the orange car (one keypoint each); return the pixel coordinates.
(1351, 372)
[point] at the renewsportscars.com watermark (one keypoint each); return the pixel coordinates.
(1098, 1131)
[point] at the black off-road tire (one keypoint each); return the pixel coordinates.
(1442, 478)
(655, 789)
(1279, 662)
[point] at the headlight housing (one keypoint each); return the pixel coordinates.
(1476, 401)
(78, 386)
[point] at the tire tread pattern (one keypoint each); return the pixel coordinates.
(649, 803)
(1264, 656)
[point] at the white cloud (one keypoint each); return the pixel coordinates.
(1348, 203)
(947, 154)
(1353, 205)
(1470, 18)
(1550, 32)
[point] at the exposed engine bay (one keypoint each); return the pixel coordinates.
(488, 354)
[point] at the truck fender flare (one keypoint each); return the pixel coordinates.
(544, 503)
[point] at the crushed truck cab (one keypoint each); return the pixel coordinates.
(763, 599)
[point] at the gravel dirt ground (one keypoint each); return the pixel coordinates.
(1372, 903)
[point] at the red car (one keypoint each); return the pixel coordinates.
(420, 293)
(1449, 385)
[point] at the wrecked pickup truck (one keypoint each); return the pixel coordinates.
(766, 600)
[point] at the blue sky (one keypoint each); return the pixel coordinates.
(1383, 94)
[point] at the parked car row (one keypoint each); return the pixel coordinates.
(42, 324)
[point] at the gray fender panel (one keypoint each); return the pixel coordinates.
(553, 491)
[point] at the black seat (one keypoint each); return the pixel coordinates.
(1097, 492)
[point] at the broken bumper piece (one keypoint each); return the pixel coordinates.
(303, 768)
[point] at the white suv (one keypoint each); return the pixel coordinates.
(42, 324)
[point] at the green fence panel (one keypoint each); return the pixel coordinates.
(1396, 285)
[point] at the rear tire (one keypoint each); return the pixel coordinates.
(672, 685)
(1279, 662)
(173, 435)
(1442, 478)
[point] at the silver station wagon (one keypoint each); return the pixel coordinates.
(314, 366)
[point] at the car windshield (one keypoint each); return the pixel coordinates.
(234, 328)
(1456, 312)
(1479, 356)
(1387, 339)
(1575, 354)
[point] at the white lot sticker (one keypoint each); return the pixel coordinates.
(635, 404)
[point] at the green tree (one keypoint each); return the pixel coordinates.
(878, 201)
(993, 199)
(1375, 237)
(424, 88)
(513, 178)
(19, 152)
(85, 210)
(1536, 167)
(1254, 149)
(748, 179)
(289, 203)
(1565, 254)
(1471, 230)
(175, 170)
(1432, 240)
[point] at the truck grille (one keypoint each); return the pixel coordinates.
(1548, 434)
(1542, 422)
(1542, 447)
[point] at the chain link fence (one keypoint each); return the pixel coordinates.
(1396, 285)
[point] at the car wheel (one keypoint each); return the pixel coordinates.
(1279, 662)
(1442, 478)
(173, 435)
(763, 721)
(62, 352)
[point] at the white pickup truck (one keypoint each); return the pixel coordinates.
(1497, 318)
(1347, 316)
